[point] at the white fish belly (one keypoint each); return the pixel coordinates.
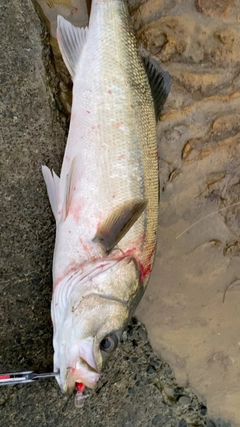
(107, 151)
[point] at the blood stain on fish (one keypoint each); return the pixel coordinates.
(75, 211)
(85, 247)
(72, 269)
(117, 125)
(145, 271)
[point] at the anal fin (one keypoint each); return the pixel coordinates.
(52, 184)
(71, 41)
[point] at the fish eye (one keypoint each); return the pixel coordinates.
(109, 343)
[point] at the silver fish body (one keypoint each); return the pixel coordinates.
(106, 199)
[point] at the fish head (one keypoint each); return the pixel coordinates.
(92, 329)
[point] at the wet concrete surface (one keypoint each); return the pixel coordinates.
(138, 387)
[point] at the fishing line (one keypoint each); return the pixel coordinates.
(201, 219)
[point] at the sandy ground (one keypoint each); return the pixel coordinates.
(183, 310)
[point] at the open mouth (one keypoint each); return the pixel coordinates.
(83, 373)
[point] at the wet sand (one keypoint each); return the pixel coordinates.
(186, 321)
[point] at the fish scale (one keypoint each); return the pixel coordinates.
(122, 160)
(106, 199)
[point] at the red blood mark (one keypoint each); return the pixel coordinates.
(129, 252)
(93, 127)
(74, 266)
(80, 387)
(100, 266)
(59, 212)
(85, 247)
(122, 156)
(75, 10)
(117, 125)
(5, 377)
(145, 271)
(109, 91)
(74, 188)
(67, 158)
(88, 111)
(75, 211)
(147, 268)
(69, 231)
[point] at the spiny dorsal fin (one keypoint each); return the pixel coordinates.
(71, 41)
(52, 183)
(159, 80)
(114, 228)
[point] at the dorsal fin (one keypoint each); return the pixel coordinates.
(118, 223)
(71, 41)
(159, 80)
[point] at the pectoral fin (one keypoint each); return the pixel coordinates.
(71, 41)
(114, 228)
(159, 80)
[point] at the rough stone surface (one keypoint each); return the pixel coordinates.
(198, 150)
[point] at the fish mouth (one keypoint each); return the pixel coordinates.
(83, 373)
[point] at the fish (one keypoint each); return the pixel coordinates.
(105, 201)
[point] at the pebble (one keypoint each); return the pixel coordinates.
(151, 369)
(156, 420)
(169, 393)
(142, 334)
(182, 423)
(184, 400)
(155, 363)
(178, 391)
(203, 410)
